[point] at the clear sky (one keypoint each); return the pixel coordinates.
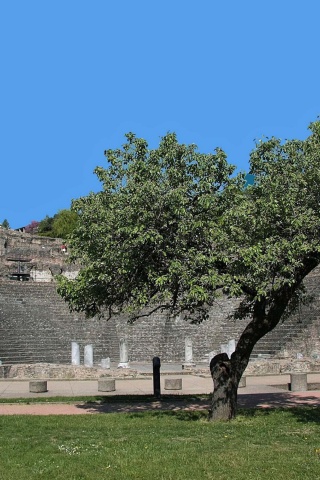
(76, 75)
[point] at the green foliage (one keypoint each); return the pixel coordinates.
(64, 223)
(5, 224)
(171, 226)
(146, 240)
(45, 227)
(60, 225)
(272, 236)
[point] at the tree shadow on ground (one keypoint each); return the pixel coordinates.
(278, 399)
(189, 405)
(183, 415)
(304, 414)
(305, 407)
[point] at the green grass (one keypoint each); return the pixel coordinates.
(259, 444)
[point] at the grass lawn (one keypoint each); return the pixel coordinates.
(259, 444)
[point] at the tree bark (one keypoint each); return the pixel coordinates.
(226, 372)
(225, 388)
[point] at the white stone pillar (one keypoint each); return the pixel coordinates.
(75, 353)
(124, 358)
(88, 356)
(188, 362)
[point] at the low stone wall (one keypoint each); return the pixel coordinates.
(61, 372)
(70, 372)
(278, 367)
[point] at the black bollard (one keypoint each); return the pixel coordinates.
(156, 376)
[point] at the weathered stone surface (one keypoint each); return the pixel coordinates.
(75, 353)
(105, 363)
(88, 356)
(298, 382)
(173, 384)
(124, 356)
(42, 326)
(38, 386)
(106, 385)
(59, 371)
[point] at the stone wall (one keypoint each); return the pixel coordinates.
(36, 325)
(38, 258)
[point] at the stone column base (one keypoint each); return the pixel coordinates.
(173, 384)
(298, 382)
(106, 385)
(123, 365)
(38, 386)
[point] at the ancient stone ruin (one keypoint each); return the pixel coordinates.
(37, 326)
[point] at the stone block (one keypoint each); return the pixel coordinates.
(298, 382)
(106, 385)
(38, 386)
(173, 384)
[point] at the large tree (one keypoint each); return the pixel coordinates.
(173, 228)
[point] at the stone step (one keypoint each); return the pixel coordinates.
(36, 323)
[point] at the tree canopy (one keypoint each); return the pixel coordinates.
(271, 236)
(146, 240)
(173, 228)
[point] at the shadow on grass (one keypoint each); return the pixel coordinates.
(304, 414)
(183, 415)
(194, 407)
(167, 398)
(307, 414)
(140, 404)
(278, 399)
(304, 406)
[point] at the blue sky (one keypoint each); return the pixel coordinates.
(77, 75)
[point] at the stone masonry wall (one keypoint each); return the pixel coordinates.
(36, 325)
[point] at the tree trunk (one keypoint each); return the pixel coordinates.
(225, 384)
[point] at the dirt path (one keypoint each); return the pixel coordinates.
(257, 400)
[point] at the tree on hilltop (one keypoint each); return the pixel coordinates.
(60, 225)
(173, 229)
(5, 224)
(45, 227)
(32, 227)
(64, 223)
